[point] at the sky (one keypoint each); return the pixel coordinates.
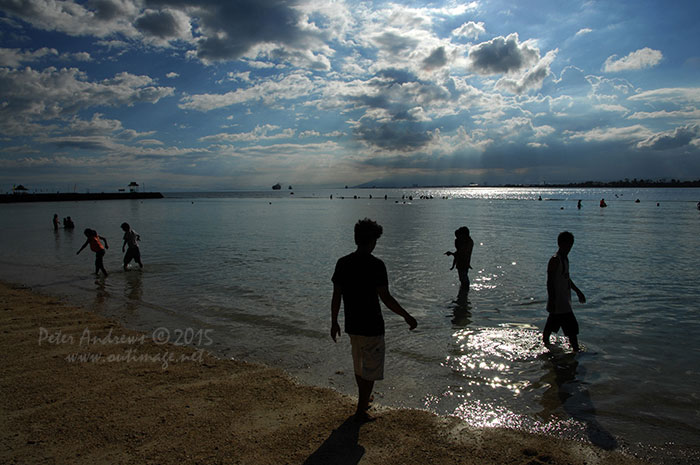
(242, 94)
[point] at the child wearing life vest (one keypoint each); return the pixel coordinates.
(93, 239)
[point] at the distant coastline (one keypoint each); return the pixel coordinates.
(73, 196)
(627, 183)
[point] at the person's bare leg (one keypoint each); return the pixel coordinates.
(573, 340)
(364, 388)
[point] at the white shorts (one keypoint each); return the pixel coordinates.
(368, 356)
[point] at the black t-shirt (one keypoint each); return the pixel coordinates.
(359, 275)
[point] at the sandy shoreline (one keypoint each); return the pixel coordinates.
(143, 402)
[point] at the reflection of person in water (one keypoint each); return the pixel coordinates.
(462, 309)
(360, 280)
(464, 245)
(567, 389)
(559, 287)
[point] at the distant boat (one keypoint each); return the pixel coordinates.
(277, 187)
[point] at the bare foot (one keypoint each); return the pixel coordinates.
(363, 417)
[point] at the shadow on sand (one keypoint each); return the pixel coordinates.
(341, 447)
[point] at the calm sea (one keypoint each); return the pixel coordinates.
(253, 269)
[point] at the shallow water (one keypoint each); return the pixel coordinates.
(254, 269)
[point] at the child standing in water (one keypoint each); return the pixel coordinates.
(96, 246)
(462, 255)
(133, 252)
(559, 286)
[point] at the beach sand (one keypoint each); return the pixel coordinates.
(127, 408)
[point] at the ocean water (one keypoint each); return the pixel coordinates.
(253, 270)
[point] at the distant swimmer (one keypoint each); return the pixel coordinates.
(93, 239)
(637, 201)
(68, 223)
(56, 222)
(602, 203)
(578, 205)
(539, 198)
(698, 205)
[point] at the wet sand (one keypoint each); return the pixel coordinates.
(144, 402)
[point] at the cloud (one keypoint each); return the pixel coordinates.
(640, 59)
(470, 30)
(669, 94)
(502, 55)
(624, 134)
(403, 137)
(437, 59)
(284, 87)
(259, 133)
(584, 31)
(40, 96)
(229, 30)
(101, 18)
(679, 137)
(530, 80)
(172, 75)
(395, 44)
(163, 25)
(13, 57)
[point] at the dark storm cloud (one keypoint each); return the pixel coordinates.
(230, 29)
(403, 98)
(106, 10)
(161, 24)
(394, 137)
(437, 59)
(502, 55)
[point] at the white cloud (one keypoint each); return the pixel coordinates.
(584, 31)
(13, 57)
(264, 132)
(532, 79)
(640, 59)
(625, 134)
(281, 87)
(470, 30)
(40, 96)
(673, 94)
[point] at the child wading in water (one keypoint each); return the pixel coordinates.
(462, 255)
(96, 246)
(559, 286)
(133, 252)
